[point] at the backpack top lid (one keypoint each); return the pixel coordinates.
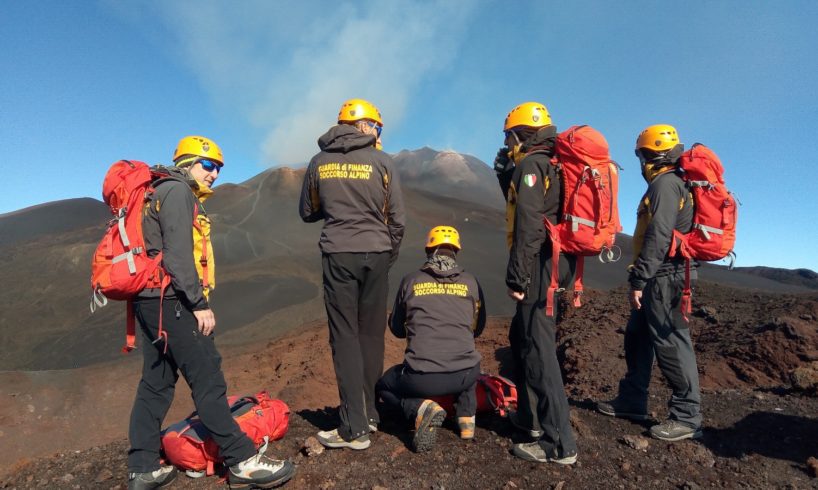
(121, 180)
(700, 163)
(583, 143)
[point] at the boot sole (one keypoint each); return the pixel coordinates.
(426, 434)
(693, 435)
(529, 457)
(564, 461)
(165, 483)
(526, 456)
(271, 484)
(358, 446)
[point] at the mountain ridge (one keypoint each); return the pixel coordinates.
(268, 262)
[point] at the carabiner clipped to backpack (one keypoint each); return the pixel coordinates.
(98, 300)
(610, 254)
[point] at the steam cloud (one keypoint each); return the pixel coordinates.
(287, 67)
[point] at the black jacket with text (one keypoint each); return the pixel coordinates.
(355, 189)
(439, 313)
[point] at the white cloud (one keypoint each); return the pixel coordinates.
(287, 67)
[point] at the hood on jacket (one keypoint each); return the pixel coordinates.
(201, 190)
(344, 138)
(442, 267)
(543, 140)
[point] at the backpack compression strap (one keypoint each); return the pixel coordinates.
(678, 246)
(555, 266)
(130, 325)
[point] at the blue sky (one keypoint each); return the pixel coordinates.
(86, 83)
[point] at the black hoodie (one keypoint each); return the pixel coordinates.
(439, 312)
(354, 188)
(167, 226)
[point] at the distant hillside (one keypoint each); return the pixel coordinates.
(50, 218)
(796, 277)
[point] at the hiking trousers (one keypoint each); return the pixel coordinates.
(200, 363)
(355, 289)
(658, 330)
(402, 388)
(542, 403)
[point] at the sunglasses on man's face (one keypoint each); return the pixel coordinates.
(377, 127)
(209, 165)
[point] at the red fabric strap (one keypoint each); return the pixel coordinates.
(130, 329)
(578, 290)
(161, 334)
(555, 265)
(686, 304)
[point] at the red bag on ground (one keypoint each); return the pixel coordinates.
(714, 218)
(495, 394)
(188, 445)
(590, 213)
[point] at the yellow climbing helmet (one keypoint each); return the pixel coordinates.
(192, 147)
(531, 114)
(443, 235)
(357, 109)
(659, 138)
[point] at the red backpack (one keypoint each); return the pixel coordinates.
(589, 212)
(120, 267)
(189, 446)
(495, 394)
(713, 234)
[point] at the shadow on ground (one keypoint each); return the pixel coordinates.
(797, 437)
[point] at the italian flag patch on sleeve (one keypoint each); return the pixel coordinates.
(530, 179)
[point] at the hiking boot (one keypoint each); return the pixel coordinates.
(515, 421)
(532, 451)
(332, 439)
(466, 425)
(162, 477)
(613, 408)
(673, 430)
(259, 471)
(430, 416)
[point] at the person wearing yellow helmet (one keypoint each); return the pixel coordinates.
(177, 325)
(532, 187)
(657, 327)
(353, 187)
(439, 309)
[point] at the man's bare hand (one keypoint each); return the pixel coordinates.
(515, 295)
(635, 299)
(206, 320)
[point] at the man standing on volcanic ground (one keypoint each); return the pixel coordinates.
(657, 327)
(532, 186)
(176, 225)
(352, 185)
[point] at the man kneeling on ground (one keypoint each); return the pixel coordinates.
(439, 310)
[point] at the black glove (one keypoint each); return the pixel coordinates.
(504, 168)
(502, 163)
